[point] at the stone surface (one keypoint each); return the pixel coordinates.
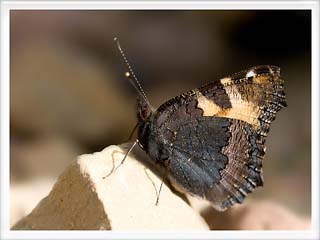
(84, 198)
(71, 205)
(24, 196)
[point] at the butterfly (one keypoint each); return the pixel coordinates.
(210, 141)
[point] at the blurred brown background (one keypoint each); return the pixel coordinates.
(69, 95)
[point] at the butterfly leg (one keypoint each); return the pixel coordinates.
(154, 186)
(124, 158)
(158, 193)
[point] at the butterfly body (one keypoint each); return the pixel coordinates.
(211, 141)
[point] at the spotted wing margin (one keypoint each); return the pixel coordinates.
(254, 96)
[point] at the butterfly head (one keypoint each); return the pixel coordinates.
(144, 110)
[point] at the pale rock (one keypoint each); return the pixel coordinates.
(86, 197)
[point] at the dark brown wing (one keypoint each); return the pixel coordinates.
(211, 140)
(217, 159)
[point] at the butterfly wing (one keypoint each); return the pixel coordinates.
(211, 140)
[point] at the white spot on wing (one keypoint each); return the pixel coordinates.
(251, 74)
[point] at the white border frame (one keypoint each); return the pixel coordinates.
(6, 6)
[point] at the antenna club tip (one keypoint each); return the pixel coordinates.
(115, 39)
(127, 74)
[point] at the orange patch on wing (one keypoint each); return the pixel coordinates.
(241, 110)
(208, 106)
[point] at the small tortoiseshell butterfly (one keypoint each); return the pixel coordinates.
(211, 140)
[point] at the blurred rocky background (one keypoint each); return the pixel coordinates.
(69, 96)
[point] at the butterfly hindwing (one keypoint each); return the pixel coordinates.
(216, 158)
(224, 170)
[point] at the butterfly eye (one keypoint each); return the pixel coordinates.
(143, 110)
(144, 113)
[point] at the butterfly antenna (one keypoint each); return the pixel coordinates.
(131, 75)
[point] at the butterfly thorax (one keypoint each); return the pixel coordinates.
(144, 114)
(149, 138)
